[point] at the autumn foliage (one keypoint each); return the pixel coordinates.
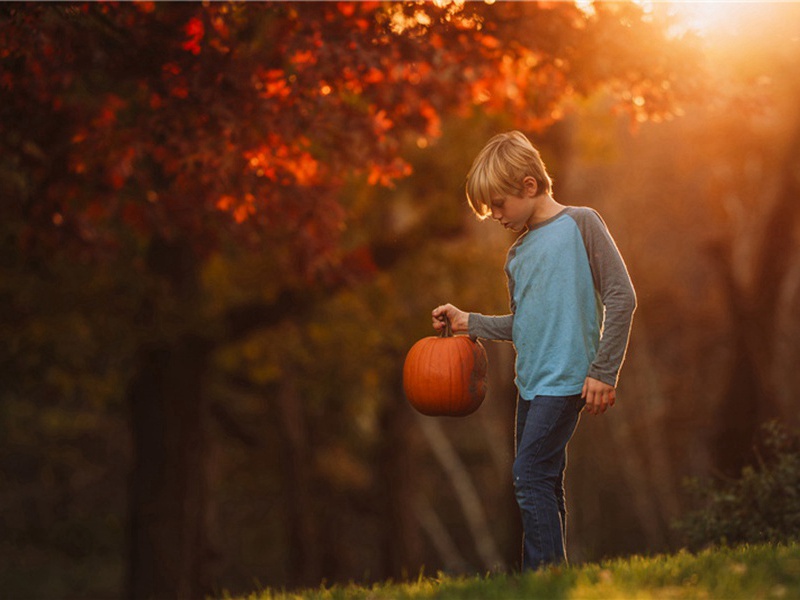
(124, 121)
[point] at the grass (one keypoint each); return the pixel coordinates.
(747, 572)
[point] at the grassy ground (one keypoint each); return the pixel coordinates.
(749, 572)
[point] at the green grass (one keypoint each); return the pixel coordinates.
(747, 572)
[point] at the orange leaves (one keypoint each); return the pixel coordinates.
(241, 210)
(304, 168)
(489, 41)
(434, 127)
(278, 162)
(272, 83)
(288, 164)
(221, 27)
(303, 58)
(385, 174)
(289, 99)
(373, 76)
(381, 123)
(346, 8)
(225, 202)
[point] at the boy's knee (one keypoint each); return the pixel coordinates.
(518, 473)
(527, 477)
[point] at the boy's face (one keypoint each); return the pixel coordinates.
(516, 212)
(512, 212)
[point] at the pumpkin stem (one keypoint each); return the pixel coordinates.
(448, 329)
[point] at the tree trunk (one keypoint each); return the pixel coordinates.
(167, 495)
(304, 558)
(401, 544)
(168, 550)
(751, 394)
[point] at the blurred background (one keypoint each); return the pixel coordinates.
(223, 226)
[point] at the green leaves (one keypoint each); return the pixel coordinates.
(762, 505)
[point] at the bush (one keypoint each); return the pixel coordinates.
(763, 505)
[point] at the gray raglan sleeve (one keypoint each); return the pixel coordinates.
(491, 328)
(613, 283)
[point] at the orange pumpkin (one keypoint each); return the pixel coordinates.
(445, 375)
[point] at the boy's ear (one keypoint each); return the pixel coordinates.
(530, 186)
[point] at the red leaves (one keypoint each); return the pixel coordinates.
(134, 215)
(194, 30)
(176, 82)
(145, 7)
(287, 101)
(107, 115)
(360, 262)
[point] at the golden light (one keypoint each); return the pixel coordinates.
(715, 18)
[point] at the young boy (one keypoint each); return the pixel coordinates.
(572, 303)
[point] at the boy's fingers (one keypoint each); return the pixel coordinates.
(597, 403)
(590, 401)
(599, 397)
(439, 316)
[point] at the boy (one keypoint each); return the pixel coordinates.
(572, 304)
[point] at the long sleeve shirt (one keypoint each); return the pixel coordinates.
(572, 304)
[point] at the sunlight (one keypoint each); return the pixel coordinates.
(716, 18)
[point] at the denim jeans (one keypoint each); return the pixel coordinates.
(544, 427)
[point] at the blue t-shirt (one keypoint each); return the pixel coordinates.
(572, 303)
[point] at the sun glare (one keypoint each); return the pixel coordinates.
(717, 18)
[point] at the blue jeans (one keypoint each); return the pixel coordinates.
(544, 427)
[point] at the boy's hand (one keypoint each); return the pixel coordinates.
(599, 396)
(459, 320)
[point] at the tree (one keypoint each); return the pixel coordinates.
(141, 139)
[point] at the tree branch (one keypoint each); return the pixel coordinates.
(384, 254)
(465, 492)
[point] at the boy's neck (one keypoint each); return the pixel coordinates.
(544, 208)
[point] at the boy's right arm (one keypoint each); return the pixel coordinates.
(491, 328)
(474, 324)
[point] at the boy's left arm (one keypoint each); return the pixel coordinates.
(612, 281)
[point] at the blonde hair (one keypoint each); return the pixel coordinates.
(499, 169)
